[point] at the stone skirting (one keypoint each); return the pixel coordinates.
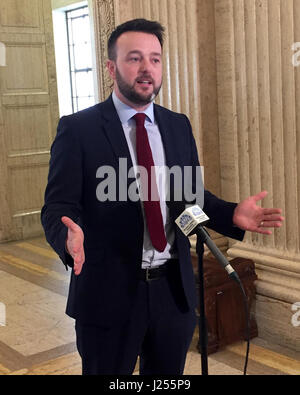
(278, 293)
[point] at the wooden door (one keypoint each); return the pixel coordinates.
(28, 114)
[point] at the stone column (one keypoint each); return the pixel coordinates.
(259, 98)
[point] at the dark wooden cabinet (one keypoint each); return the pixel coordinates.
(224, 304)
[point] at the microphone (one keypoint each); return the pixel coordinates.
(191, 221)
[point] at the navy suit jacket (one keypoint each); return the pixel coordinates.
(104, 291)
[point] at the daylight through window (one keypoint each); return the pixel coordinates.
(80, 56)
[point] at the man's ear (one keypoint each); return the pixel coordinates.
(111, 67)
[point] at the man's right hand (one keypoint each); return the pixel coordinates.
(74, 243)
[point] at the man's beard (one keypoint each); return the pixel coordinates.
(129, 92)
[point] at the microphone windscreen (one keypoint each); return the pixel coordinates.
(190, 219)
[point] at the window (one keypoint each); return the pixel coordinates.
(80, 58)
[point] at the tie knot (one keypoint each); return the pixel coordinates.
(140, 118)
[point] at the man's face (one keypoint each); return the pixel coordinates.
(137, 71)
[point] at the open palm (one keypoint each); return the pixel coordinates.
(249, 216)
(74, 243)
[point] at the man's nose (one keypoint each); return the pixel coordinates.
(145, 65)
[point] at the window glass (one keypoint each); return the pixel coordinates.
(80, 56)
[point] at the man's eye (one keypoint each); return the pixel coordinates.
(156, 60)
(134, 59)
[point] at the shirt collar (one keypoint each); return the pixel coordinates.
(126, 112)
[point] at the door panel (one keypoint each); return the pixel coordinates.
(28, 114)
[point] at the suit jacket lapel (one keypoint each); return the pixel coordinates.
(114, 131)
(165, 126)
(115, 135)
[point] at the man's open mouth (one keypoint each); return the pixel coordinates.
(144, 82)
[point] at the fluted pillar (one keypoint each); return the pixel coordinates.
(259, 98)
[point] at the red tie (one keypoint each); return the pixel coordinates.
(151, 207)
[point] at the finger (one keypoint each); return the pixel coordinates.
(78, 268)
(260, 196)
(77, 250)
(74, 243)
(69, 223)
(273, 217)
(78, 263)
(270, 224)
(263, 231)
(270, 211)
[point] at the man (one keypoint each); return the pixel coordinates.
(132, 288)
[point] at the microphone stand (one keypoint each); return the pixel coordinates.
(186, 222)
(204, 237)
(202, 319)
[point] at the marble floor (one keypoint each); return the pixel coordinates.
(37, 338)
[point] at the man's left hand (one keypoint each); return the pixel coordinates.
(249, 216)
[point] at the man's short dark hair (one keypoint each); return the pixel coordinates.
(135, 25)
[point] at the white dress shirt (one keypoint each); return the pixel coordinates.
(151, 257)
